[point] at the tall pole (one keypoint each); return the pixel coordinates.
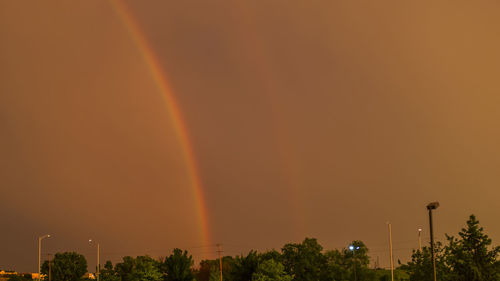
(390, 250)
(354, 260)
(98, 265)
(353, 249)
(40, 254)
(420, 239)
(430, 207)
(432, 245)
(50, 269)
(220, 260)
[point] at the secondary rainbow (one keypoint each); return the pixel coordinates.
(174, 112)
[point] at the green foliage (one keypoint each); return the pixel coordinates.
(214, 273)
(142, 268)
(177, 267)
(203, 272)
(125, 269)
(272, 254)
(244, 267)
(420, 267)
(469, 257)
(108, 273)
(271, 270)
(68, 266)
(146, 269)
(348, 264)
(304, 262)
(336, 268)
(15, 277)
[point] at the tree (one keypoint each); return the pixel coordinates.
(204, 271)
(271, 270)
(146, 269)
(15, 277)
(348, 264)
(420, 267)
(141, 268)
(68, 266)
(177, 267)
(244, 267)
(469, 257)
(304, 262)
(108, 273)
(336, 267)
(125, 269)
(214, 273)
(357, 260)
(272, 254)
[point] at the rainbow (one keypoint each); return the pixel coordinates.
(175, 113)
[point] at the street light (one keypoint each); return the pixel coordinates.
(390, 251)
(430, 207)
(353, 248)
(40, 253)
(420, 239)
(97, 273)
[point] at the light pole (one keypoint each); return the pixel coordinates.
(420, 239)
(40, 253)
(353, 248)
(50, 269)
(390, 251)
(430, 207)
(98, 265)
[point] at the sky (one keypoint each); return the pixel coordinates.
(322, 119)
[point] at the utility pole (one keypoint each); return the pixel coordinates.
(50, 269)
(390, 250)
(219, 250)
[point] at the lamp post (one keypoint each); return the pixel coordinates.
(98, 265)
(430, 207)
(353, 248)
(390, 251)
(420, 239)
(50, 269)
(40, 253)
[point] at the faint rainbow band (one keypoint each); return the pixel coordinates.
(174, 110)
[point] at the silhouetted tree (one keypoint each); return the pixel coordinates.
(68, 266)
(244, 267)
(469, 256)
(177, 266)
(304, 261)
(420, 267)
(108, 273)
(271, 270)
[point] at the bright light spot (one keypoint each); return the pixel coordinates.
(351, 248)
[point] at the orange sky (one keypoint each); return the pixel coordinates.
(322, 119)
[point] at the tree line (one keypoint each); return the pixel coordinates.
(468, 257)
